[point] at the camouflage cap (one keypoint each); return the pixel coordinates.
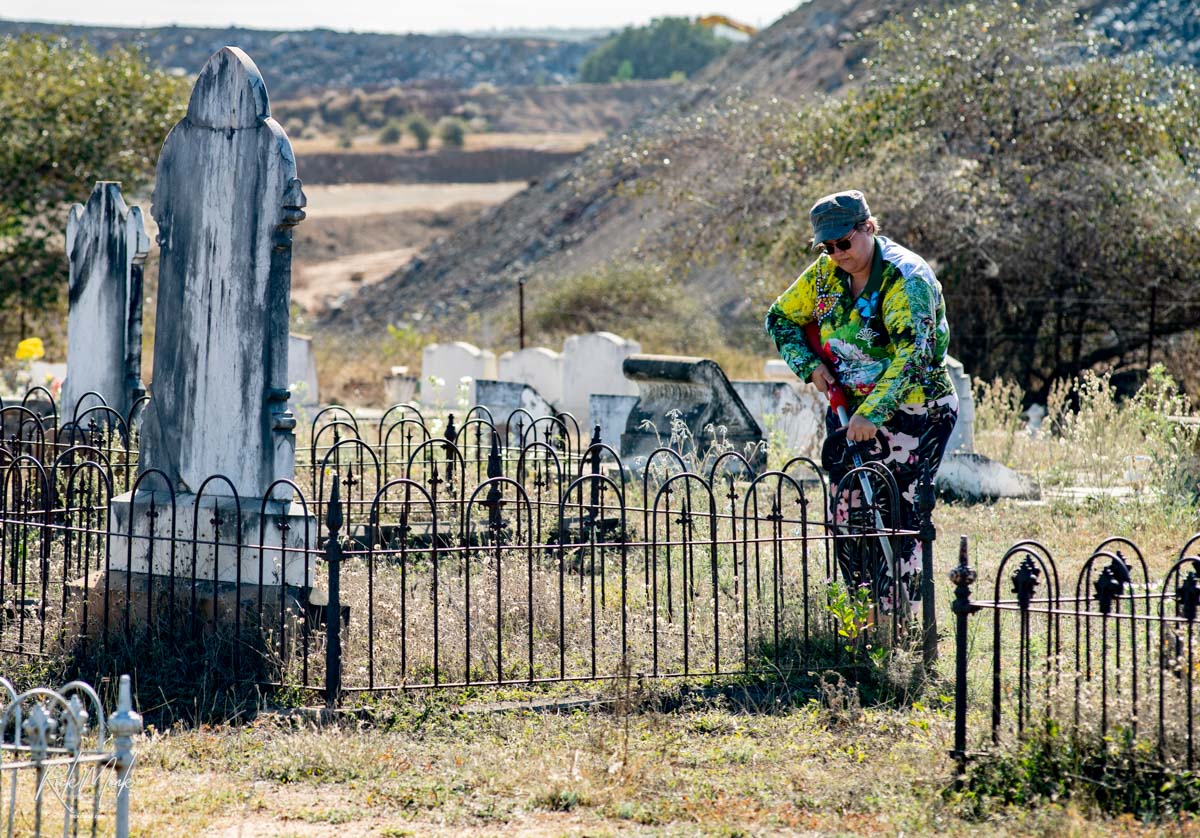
(834, 216)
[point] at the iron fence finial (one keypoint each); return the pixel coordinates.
(1025, 582)
(333, 516)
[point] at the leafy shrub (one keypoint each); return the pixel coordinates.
(391, 133)
(71, 116)
(452, 131)
(418, 126)
(1115, 774)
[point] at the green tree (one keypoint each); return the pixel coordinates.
(452, 131)
(419, 127)
(70, 117)
(665, 46)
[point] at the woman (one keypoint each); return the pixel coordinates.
(882, 322)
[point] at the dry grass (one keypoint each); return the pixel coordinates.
(714, 768)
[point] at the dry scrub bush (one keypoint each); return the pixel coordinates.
(1092, 437)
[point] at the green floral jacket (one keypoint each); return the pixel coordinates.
(889, 343)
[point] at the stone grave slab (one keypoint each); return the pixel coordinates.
(592, 364)
(962, 438)
(610, 413)
(503, 397)
(399, 387)
(539, 367)
(445, 365)
(795, 411)
(302, 371)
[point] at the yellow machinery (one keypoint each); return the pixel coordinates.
(720, 20)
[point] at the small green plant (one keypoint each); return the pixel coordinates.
(1114, 774)
(853, 610)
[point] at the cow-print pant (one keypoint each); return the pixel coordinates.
(916, 436)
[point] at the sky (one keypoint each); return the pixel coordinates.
(387, 15)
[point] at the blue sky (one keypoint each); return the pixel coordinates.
(385, 15)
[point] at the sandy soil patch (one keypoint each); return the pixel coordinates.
(313, 285)
(342, 200)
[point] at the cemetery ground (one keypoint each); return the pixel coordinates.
(737, 756)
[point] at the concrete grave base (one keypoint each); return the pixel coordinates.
(206, 538)
(168, 602)
(794, 411)
(973, 478)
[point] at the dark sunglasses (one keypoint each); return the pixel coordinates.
(842, 244)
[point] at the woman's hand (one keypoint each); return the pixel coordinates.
(860, 429)
(822, 377)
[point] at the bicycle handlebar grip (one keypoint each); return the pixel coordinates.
(837, 399)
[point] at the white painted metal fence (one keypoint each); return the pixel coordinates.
(63, 768)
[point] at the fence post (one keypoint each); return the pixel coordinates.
(963, 577)
(124, 725)
(333, 608)
(927, 535)
(594, 462)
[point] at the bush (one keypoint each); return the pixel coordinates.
(1114, 775)
(452, 131)
(71, 116)
(391, 133)
(418, 126)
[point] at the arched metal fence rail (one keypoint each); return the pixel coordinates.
(435, 561)
(65, 767)
(1108, 653)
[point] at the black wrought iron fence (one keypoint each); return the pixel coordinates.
(438, 560)
(1106, 655)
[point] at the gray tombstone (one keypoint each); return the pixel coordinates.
(107, 247)
(226, 197)
(696, 392)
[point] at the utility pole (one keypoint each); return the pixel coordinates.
(521, 311)
(1153, 315)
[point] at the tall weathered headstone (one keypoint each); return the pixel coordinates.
(226, 197)
(107, 247)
